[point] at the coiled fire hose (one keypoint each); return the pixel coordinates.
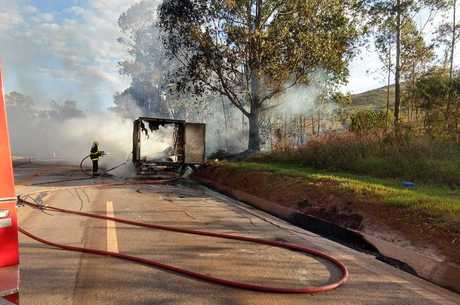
(199, 276)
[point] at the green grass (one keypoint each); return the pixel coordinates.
(441, 203)
(379, 155)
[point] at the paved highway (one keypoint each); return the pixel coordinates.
(55, 277)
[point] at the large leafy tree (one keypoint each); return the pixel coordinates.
(253, 50)
(146, 65)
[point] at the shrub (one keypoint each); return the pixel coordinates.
(378, 154)
(369, 120)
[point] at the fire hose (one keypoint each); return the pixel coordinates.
(104, 172)
(199, 276)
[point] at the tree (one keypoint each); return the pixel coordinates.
(147, 65)
(454, 36)
(444, 38)
(253, 50)
(384, 43)
(447, 36)
(342, 102)
(399, 11)
(415, 55)
(65, 111)
(432, 90)
(455, 94)
(402, 11)
(365, 121)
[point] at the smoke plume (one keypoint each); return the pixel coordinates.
(62, 132)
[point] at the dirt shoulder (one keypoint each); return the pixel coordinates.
(360, 209)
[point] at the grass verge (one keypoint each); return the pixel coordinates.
(441, 204)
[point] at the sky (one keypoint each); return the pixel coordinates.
(68, 49)
(63, 49)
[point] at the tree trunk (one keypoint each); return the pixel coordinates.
(255, 85)
(226, 124)
(254, 130)
(412, 98)
(312, 125)
(270, 126)
(388, 85)
(398, 68)
(319, 121)
(451, 70)
(452, 46)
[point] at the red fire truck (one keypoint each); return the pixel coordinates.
(9, 253)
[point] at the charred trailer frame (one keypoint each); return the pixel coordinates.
(188, 148)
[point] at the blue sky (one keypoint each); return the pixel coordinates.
(68, 49)
(55, 5)
(59, 8)
(63, 49)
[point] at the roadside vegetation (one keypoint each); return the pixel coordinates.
(439, 204)
(272, 73)
(384, 155)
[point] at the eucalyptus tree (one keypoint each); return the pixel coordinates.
(448, 35)
(146, 64)
(400, 13)
(253, 50)
(384, 43)
(453, 37)
(415, 55)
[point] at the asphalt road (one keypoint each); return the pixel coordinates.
(55, 277)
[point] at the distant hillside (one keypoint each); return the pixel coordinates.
(373, 99)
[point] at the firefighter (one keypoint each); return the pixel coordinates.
(95, 154)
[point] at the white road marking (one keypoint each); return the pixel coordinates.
(112, 239)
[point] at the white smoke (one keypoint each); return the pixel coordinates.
(156, 145)
(63, 133)
(227, 128)
(300, 99)
(72, 139)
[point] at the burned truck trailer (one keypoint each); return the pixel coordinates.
(167, 145)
